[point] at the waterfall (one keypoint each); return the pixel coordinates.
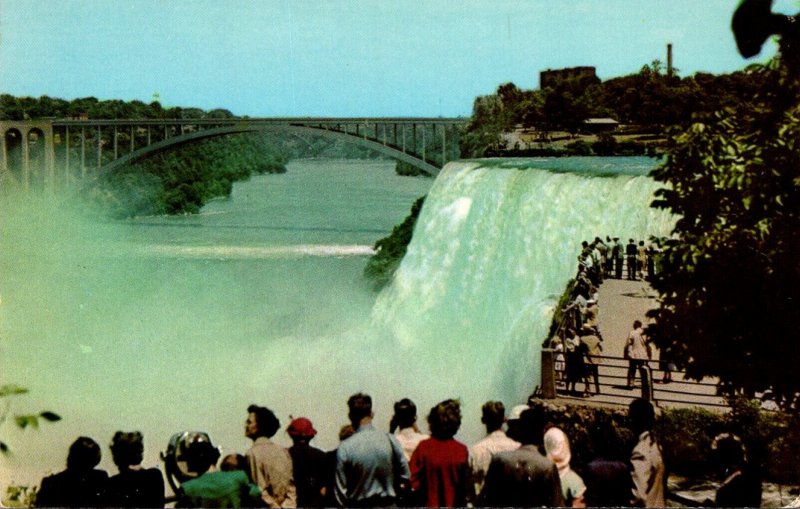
(493, 248)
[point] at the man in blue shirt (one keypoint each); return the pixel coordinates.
(371, 469)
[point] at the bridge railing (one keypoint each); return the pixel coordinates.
(434, 141)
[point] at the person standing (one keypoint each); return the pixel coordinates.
(636, 351)
(741, 485)
(371, 469)
(556, 446)
(439, 465)
(134, 486)
(609, 267)
(81, 484)
(404, 427)
(607, 477)
(618, 252)
(308, 464)
(592, 349)
(648, 475)
(213, 487)
(630, 253)
(493, 415)
(576, 367)
(602, 248)
(270, 464)
(523, 477)
(641, 260)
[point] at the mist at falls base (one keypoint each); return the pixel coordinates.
(170, 324)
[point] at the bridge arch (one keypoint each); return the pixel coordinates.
(215, 132)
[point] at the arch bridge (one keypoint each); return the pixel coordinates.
(48, 152)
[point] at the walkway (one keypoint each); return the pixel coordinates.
(620, 302)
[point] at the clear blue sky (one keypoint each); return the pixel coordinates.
(345, 57)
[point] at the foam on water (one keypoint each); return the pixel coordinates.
(256, 253)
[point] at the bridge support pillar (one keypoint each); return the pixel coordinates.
(26, 159)
(50, 158)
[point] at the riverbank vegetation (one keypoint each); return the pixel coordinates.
(183, 180)
(390, 250)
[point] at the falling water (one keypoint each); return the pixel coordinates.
(168, 324)
(492, 251)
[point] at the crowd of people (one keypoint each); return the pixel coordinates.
(577, 340)
(611, 258)
(521, 462)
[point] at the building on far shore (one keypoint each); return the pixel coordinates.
(600, 125)
(551, 77)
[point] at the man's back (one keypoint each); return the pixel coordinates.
(522, 478)
(593, 347)
(369, 465)
(480, 455)
(647, 473)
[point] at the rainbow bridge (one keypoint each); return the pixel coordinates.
(50, 152)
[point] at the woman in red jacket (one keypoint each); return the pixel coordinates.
(439, 465)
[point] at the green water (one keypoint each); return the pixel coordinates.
(170, 324)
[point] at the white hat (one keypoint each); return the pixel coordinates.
(517, 411)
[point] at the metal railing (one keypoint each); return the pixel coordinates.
(613, 383)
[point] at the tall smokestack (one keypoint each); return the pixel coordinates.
(669, 59)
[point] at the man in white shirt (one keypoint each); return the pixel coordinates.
(480, 457)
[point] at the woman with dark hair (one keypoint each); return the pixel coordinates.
(608, 481)
(741, 485)
(134, 486)
(270, 464)
(80, 485)
(404, 426)
(439, 465)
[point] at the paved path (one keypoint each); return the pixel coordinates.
(622, 301)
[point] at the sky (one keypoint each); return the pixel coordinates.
(346, 58)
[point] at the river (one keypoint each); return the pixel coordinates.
(164, 324)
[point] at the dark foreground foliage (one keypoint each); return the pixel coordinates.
(772, 438)
(730, 281)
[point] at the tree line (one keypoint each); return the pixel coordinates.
(651, 100)
(24, 108)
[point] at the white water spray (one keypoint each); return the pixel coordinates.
(491, 254)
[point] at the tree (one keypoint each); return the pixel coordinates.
(730, 284)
